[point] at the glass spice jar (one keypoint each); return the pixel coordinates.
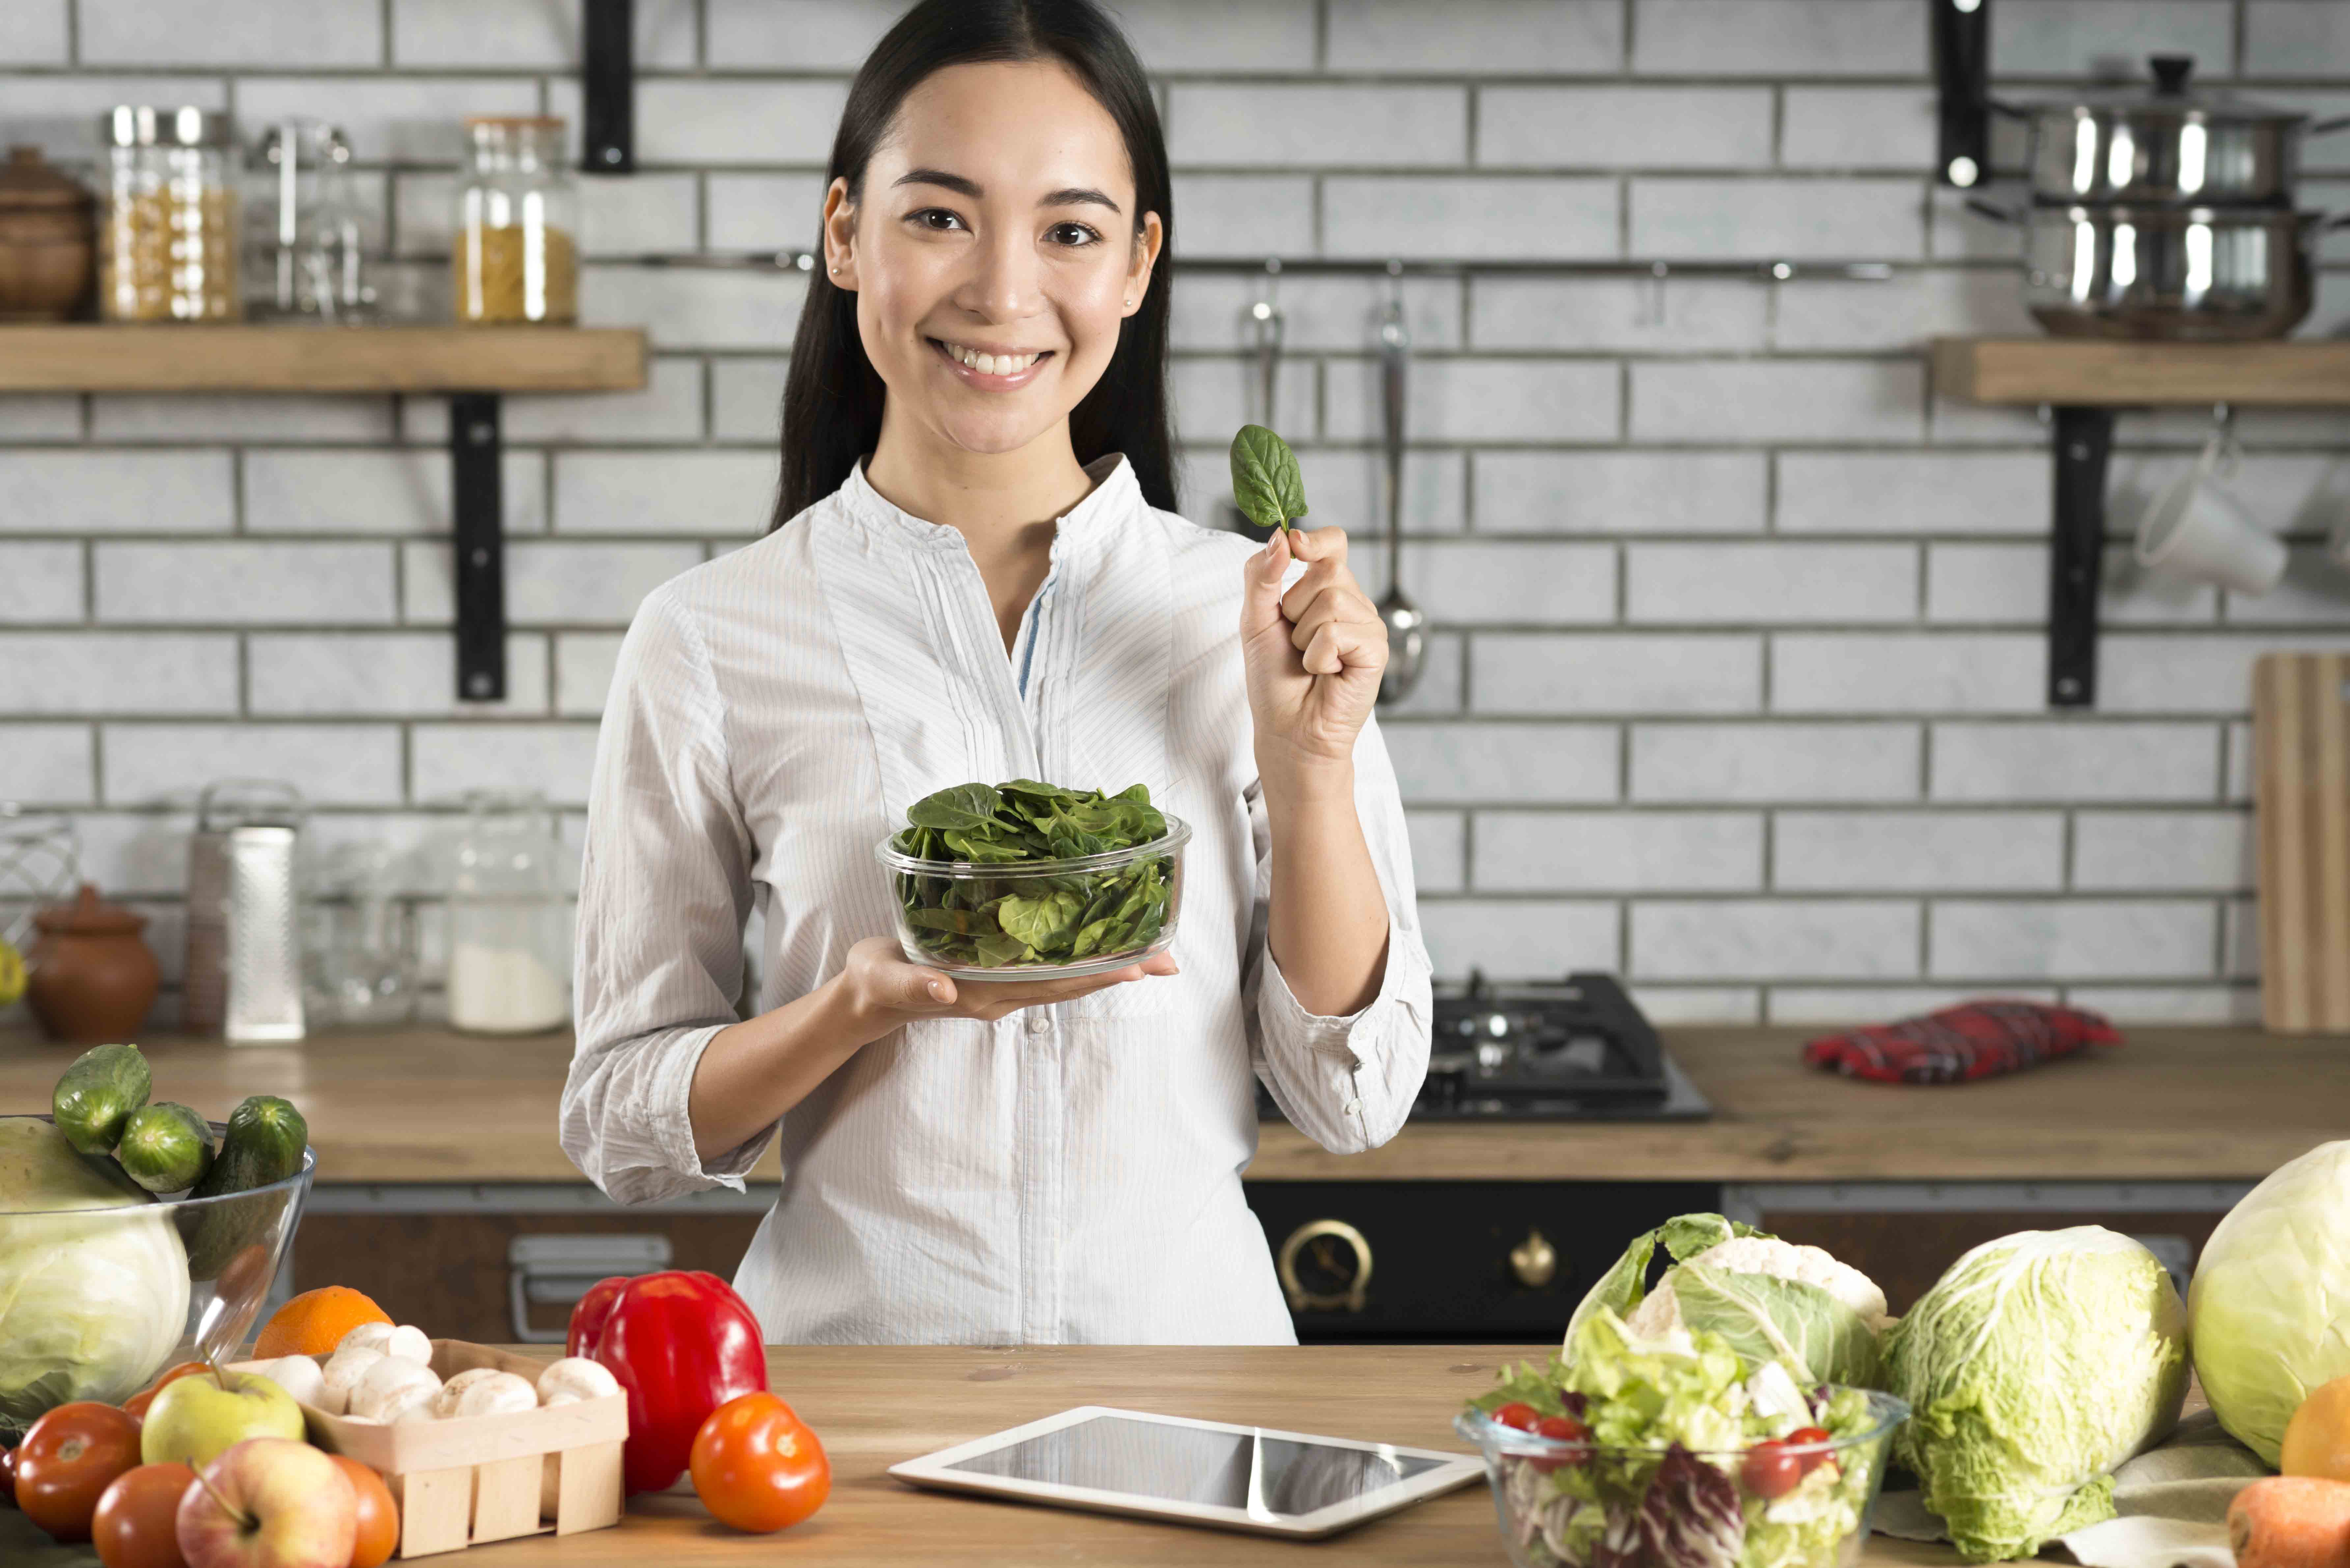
(510, 917)
(167, 242)
(515, 254)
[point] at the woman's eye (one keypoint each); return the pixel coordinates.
(937, 219)
(1072, 234)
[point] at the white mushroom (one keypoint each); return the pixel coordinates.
(409, 1343)
(392, 1390)
(499, 1394)
(342, 1371)
(574, 1378)
(445, 1403)
(299, 1375)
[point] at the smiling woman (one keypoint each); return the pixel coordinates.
(977, 573)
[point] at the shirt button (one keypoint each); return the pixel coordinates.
(1353, 1108)
(1039, 1024)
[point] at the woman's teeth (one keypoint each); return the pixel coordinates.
(991, 364)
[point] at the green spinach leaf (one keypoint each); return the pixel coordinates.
(1266, 483)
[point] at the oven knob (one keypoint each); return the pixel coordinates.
(1324, 1266)
(1534, 1260)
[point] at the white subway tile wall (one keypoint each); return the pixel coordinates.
(1736, 676)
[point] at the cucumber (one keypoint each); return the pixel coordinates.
(165, 1148)
(263, 1145)
(96, 1096)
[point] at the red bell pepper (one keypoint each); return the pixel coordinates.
(682, 1343)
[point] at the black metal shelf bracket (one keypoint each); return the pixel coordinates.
(1962, 30)
(477, 498)
(608, 88)
(2077, 553)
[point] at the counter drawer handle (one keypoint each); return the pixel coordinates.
(1534, 1260)
(1302, 1300)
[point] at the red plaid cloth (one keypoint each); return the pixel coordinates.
(1975, 1040)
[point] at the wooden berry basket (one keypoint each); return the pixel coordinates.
(468, 1482)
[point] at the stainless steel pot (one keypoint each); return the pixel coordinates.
(2182, 273)
(2167, 146)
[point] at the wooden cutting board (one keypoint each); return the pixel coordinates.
(2300, 800)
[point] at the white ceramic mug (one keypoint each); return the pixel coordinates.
(2195, 529)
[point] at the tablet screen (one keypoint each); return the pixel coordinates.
(1190, 1464)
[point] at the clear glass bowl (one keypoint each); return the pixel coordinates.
(950, 914)
(95, 1302)
(1544, 1527)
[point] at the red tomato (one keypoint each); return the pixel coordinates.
(137, 1521)
(757, 1466)
(69, 1458)
(136, 1406)
(378, 1517)
(1817, 1439)
(1516, 1413)
(1564, 1429)
(1770, 1471)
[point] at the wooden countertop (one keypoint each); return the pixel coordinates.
(876, 1405)
(2218, 1105)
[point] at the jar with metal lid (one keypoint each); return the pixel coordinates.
(167, 244)
(304, 249)
(515, 254)
(509, 917)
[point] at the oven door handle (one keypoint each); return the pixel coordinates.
(1302, 1300)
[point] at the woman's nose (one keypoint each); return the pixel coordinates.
(1003, 284)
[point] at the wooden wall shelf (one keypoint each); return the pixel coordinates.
(164, 358)
(2109, 373)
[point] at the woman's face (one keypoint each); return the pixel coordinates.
(994, 253)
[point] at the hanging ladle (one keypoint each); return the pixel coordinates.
(1406, 627)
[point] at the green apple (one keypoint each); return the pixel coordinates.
(195, 1420)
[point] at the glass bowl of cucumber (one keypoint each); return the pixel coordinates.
(1031, 881)
(107, 1278)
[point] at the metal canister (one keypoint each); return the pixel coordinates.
(244, 974)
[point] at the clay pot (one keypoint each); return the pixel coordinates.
(48, 240)
(91, 978)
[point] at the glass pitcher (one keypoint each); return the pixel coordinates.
(509, 919)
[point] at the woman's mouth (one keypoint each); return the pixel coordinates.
(992, 371)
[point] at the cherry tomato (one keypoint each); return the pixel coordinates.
(1564, 1429)
(757, 1466)
(69, 1458)
(137, 1521)
(1517, 1414)
(1770, 1471)
(1817, 1439)
(8, 1477)
(136, 1406)
(378, 1515)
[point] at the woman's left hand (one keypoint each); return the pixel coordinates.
(1314, 655)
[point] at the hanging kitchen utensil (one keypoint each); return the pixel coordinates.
(1264, 323)
(2167, 146)
(1406, 627)
(2301, 806)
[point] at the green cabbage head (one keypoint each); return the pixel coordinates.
(2035, 1365)
(92, 1299)
(2266, 1306)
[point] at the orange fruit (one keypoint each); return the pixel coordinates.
(378, 1515)
(2317, 1439)
(315, 1321)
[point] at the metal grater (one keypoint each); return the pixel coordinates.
(244, 976)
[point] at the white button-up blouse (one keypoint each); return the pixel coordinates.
(1065, 1174)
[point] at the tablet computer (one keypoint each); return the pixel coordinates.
(1194, 1473)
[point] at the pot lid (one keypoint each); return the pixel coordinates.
(2170, 97)
(89, 916)
(27, 180)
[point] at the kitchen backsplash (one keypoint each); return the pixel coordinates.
(1737, 682)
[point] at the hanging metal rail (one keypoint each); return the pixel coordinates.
(1313, 267)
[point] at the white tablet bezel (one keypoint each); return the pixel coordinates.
(936, 1470)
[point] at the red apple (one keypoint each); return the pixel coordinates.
(269, 1502)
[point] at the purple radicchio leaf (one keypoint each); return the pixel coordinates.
(1619, 1544)
(1575, 1404)
(1690, 1517)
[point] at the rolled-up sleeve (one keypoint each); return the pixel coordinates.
(664, 891)
(1346, 1083)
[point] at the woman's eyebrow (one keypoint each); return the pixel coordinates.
(1076, 195)
(1067, 196)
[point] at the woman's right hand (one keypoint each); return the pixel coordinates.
(884, 991)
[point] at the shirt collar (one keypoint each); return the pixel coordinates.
(1106, 508)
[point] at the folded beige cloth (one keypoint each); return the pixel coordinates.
(2170, 1504)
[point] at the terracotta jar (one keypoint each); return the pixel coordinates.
(48, 242)
(91, 978)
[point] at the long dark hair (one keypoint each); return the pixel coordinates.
(832, 398)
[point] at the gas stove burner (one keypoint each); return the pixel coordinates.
(1577, 1049)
